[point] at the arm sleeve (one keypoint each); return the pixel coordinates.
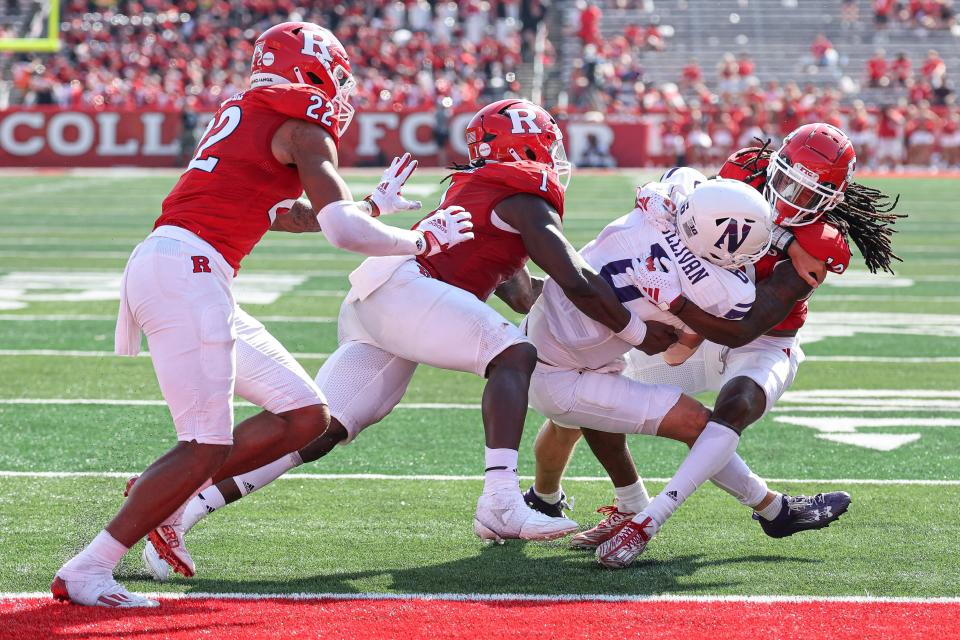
(348, 228)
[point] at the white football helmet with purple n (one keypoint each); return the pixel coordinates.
(726, 222)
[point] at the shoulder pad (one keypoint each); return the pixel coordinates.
(297, 101)
(525, 177)
(824, 242)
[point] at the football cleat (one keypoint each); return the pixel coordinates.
(167, 544)
(167, 541)
(612, 523)
(156, 566)
(98, 591)
(504, 515)
(552, 509)
(805, 513)
(622, 549)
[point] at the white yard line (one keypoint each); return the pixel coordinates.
(868, 298)
(160, 403)
(464, 478)
(110, 354)
(320, 356)
(65, 317)
(524, 597)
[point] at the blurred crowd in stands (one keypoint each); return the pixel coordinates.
(157, 53)
(418, 54)
(926, 14)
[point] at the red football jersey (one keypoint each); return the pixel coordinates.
(496, 253)
(821, 240)
(233, 187)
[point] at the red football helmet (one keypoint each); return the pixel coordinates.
(513, 130)
(305, 53)
(809, 173)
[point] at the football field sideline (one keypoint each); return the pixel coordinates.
(294, 475)
(413, 617)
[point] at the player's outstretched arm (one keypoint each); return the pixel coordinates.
(540, 227)
(520, 291)
(776, 296)
(346, 224)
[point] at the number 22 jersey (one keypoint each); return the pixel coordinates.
(234, 187)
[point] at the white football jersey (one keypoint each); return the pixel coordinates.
(566, 337)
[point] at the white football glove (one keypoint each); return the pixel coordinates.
(655, 201)
(655, 280)
(444, 229)
(386, 198)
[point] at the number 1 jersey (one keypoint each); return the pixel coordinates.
(233, 187)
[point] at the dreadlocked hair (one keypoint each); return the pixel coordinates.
(865, 215)
(456, 166)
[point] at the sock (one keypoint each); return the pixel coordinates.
(549, 498)
(202, 505)
(737, 480)
(632, 498)
(500, 470)
(259, 478)
(710, 453)
(773, 509)
(100, 556)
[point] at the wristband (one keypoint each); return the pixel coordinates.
(635, 332)
(368, 203)
(781, 238)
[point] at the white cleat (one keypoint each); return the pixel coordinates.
(505, 515)
(156, 566)
(98, 591)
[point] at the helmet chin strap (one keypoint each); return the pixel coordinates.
(516, 156)
(296, 72)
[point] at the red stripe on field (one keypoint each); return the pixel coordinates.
(436, 619)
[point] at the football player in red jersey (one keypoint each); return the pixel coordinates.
(752, 361)
(262, 149)
(513, 188)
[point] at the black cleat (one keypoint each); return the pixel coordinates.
(554, 510)
(805, 513)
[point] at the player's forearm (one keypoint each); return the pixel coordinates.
(776, 296)
(520, 291)
(348, 227)
(301, 218)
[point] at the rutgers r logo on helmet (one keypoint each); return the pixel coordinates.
(312, 46)
(515, 130)
(524, 121)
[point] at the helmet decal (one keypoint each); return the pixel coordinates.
(732, 236)
(524, 121)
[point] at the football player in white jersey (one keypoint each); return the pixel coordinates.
(721, 226)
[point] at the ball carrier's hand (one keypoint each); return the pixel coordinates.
(444, 229)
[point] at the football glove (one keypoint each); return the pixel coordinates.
(655, 281)
(655, 201)
(386, 198)
(444, 229)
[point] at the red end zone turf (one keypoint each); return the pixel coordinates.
(411, 619)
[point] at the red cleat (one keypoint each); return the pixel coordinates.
(621, 550)
(606, 529)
